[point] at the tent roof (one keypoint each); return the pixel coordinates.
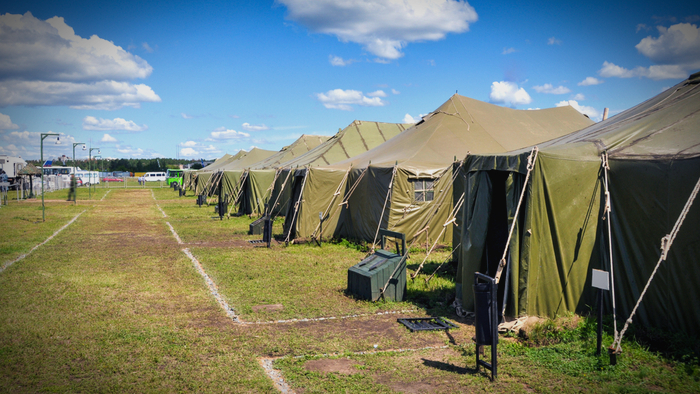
(464, 125)
(226, 158)
(30, 169)
(358, 137)
(299, 147)
(249, 158)
(666, 126)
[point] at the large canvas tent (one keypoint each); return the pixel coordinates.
(227, 178)
(358, 137)
(643, 164)
(261, 175)
(406, 184)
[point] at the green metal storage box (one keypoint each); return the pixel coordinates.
(367, 278)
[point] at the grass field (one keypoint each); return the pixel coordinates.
(112, 304)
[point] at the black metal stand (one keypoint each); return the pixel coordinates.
(486, 320)
(267, 231)
(600, 322)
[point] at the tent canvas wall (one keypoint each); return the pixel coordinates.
(653, 154)
(422, 192)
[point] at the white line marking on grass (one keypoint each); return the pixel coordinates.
(163, 212)
(331, 317)
(212, 287)
(177, 237)
(276, 375)
(153, 195)
(103, 197)
(9, 263)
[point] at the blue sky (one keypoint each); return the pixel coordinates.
(200, 79)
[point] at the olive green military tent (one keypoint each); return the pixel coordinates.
(358, 137)
(261, 175)
(199, 179)
(646, 160)
(228, 178)
(406, 183)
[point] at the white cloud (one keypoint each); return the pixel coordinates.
(394, 91)
(679, 44)
(383, 27)
(549, 89)
(339, 61)
(409, 119)
(185, 116)
(378, 93)
(252, 127)
(505, 92)
(6, 123)
(589, 81)
(188, 144)
(188, 152)
(586, 110)
(102, 95)
(507, 51)
(345, 99)
(51, 65)
(610, 70)
(92, 123)
(676, 52)
(147, 47)
(222, 133)
(553, 41)
(579, 97)
(108, 138)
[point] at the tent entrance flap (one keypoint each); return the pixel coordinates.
(497, 229)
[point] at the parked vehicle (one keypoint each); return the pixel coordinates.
(11, 165)
(154, 177)
(88, 177)
(112, 179)
(174, 176)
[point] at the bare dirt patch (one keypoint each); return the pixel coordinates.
(333, 365)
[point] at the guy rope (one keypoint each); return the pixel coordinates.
(530, 165)
(606, 216)
(666, 243)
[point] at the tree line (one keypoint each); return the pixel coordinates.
(130, 165)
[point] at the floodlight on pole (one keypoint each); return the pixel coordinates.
(43, 136)
(74, 167)
(90, 171)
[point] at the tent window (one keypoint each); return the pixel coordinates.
(423, 189)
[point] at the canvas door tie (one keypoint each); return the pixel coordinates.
(450, 219)
(530, 165)
(386, 199)
(326, 212)
(605, 164)
(666, 243)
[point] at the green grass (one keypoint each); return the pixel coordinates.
(112, 304)
(22, 226)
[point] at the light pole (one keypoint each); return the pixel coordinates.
(75, 192)
(90, 170)
(97, 168)
(43, 136)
